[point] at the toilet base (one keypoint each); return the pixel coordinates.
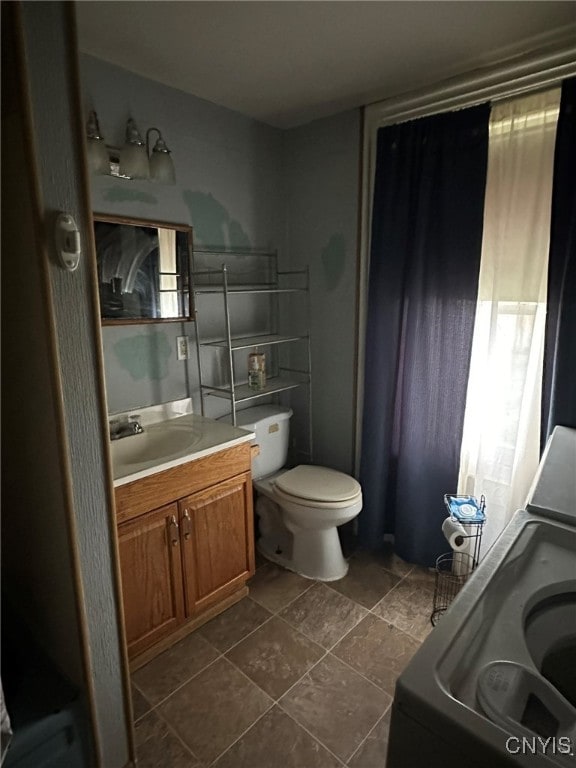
(320, 560)
(317, 554)
(314, 553)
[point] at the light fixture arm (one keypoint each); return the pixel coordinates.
(159, 146)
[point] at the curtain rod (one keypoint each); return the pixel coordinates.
(535, 71)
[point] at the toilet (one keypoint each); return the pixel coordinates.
(299, 509)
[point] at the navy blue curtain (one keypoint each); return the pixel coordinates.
(559, 384)
(423, 284)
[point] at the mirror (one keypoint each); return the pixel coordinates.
(143, 270)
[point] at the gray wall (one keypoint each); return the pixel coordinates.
(242, 183)
(228, 188)
(321, 163)
(50, 61)
(38, 570)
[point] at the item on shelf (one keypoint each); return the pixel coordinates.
(256, 370)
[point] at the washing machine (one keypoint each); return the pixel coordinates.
(553, 492)
(494, 684)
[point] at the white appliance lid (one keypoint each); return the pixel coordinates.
(318, 484)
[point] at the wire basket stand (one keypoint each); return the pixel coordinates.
(453, 569)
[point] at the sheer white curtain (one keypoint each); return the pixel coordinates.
(500, 446)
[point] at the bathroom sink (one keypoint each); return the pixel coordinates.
(158, 443)
(171, 442)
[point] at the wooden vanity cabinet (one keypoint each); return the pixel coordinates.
(152, 587)
(216, 549)
(189, 559)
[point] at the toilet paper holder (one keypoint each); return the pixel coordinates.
(463, 531)
(464, 524)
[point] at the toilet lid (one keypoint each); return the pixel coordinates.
(318, 484)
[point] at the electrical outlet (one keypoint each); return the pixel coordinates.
(182, 351)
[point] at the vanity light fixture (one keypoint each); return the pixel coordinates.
(134, 160)
(161, 165)
(137, 162)
(97, 152)
(133, 156)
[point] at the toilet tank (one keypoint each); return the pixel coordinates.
(271, 423)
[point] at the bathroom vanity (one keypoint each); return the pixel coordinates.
(183, 496)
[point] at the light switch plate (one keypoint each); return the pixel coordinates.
(182, 351)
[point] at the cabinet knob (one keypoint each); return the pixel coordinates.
(173, 531)
(186, 524)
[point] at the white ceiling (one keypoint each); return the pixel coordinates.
(286, 63)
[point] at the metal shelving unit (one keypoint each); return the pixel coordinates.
(232, 285)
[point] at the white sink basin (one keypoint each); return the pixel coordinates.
(158, 443)
(168, 443)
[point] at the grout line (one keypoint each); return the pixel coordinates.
(391, 621)
(302, 631)
(365, 739)
(244, 732)
(237, 668)
(345, 635)
(133, 684)
(367, 679)
(181, 685)
(277, 611)
(175, 733)
(316, 739)
(266, 620)
(287, 691)
(308, 588)
(170, 729)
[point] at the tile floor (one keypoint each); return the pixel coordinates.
(300, 674)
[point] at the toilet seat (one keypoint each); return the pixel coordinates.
(318, 487)
(312, 504)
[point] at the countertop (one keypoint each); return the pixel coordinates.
(207, 436)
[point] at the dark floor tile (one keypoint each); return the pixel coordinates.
(323, 615)
(366, 582)
(422, 577)
(276, 741)
(377, 650)
(161, 676)
(157, 746)
(233, 625)
(275, 656)
(408, 606)
(274, 587)
(372, 753)
(211, 711)
(149, 727)
(336, 705)
(139, 704)
(392, 562)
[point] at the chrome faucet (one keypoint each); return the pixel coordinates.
(125, 426)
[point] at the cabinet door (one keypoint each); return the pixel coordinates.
(218, 541)
(151, 568)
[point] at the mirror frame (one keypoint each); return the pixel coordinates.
(136, 222)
